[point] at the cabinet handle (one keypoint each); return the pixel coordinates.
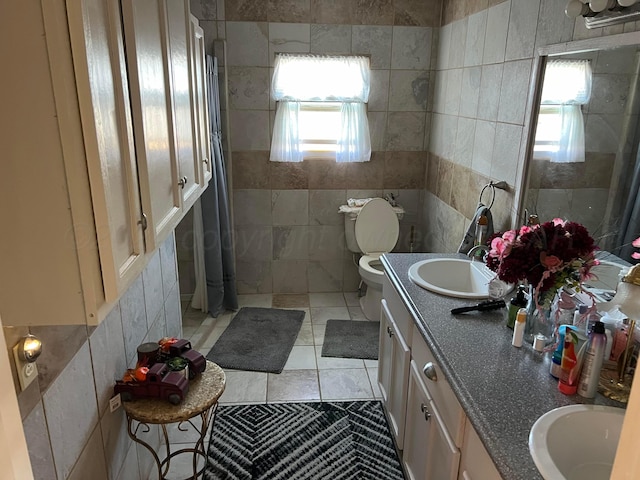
(205, 161)
(425, 410)
(182, 182)
(143, 221)
(430, 371)
(390, 332)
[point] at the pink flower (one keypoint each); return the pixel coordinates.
(636, 243)
(525, 229)
(635, 255)
(509, 236)
(559, 221)
(500, 248)
(552, 262)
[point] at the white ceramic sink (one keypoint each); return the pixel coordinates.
(576, 442)
(453, 277)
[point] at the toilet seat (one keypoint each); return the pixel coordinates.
(377, 228)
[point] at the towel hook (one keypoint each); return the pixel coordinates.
(501, 185)
(493, 193)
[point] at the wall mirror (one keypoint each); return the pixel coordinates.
(599, 186)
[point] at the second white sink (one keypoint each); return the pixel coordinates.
(576, 442)
(453, 277)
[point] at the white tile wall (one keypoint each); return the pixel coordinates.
(289, 38)
(107, 356)
(411, 48)
(495, 40)
(247, 44)
(71, 410)
(523, 23)
(330, 39)
(375, 41)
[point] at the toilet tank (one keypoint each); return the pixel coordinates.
(350, 232)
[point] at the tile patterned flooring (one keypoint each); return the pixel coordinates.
(307, 376)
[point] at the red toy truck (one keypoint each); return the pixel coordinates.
(160, 382)
(182, 348)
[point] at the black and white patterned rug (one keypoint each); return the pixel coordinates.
(303, 441)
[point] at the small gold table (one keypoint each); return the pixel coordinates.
(201, 401)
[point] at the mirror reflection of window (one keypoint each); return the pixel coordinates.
(560, 131)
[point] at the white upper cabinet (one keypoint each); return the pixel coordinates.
(101, 132)
(145, 26)
(200, 106)
(103, 98)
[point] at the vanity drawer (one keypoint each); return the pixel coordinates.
(438, 388)
(399, 312)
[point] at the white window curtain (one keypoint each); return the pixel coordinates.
(567, 83)
(314, 78)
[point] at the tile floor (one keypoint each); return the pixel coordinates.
(307, 376)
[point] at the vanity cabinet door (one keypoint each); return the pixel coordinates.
(475, 462)
(393, 372)
(429, 452)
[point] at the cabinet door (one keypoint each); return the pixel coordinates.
(429, 453)
(475, 462)
(179, 32)
(200, 107)
(150, 84)
(396, 374)
(103, 96)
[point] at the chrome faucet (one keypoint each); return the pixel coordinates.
(473, 255)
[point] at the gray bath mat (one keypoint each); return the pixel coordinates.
(258, 339)
(351, 339)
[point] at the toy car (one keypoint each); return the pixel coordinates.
(172, 348)
(159, 382)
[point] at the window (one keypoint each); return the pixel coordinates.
(321, 108)
(560, 129)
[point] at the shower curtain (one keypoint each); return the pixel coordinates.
(213, 237)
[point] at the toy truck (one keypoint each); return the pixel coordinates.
(182, 348)
(160, 382)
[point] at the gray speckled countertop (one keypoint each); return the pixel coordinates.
(502, 389)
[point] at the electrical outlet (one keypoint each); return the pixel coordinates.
(114, 403)
(27, 372)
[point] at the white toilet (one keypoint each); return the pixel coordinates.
(374, 232)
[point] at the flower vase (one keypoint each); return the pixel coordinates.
(540, 321)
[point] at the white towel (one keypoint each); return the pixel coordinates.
(358, 202)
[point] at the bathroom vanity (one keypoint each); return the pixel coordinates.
(459, 397)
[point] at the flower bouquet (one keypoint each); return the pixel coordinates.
(548, 257)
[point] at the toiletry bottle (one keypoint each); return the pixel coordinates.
(517, 302)
(570, 365)
(565, 309)
(518, 329)
(592, 318)
(588, 384)
(481, 233)
(556, 358)
(577, 316)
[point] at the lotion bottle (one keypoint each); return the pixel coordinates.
(518, 328)
(588, 384)
(516, 303)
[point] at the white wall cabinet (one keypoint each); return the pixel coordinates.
(99, 129)
(439, 442)
(200, 105)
